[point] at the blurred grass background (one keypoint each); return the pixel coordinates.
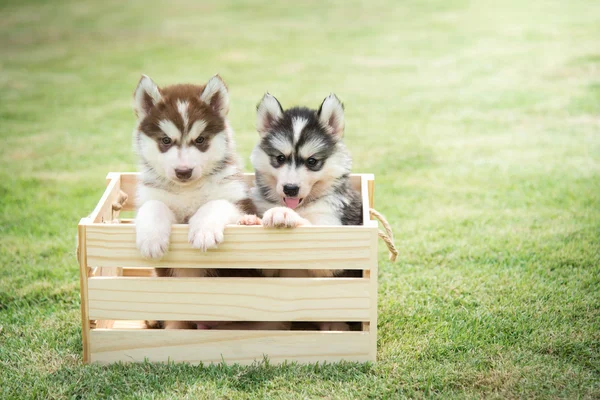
(480, 120)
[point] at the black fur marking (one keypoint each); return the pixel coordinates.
(282, 130)
(352, 212)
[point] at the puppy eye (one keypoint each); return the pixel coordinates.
(199, 140)
(281, 159)
(166, 140)
(311, 162)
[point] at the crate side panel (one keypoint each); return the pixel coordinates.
(104, 209)
(230, 299)
(373, 283)
(344, 247)
(83, 281)
(129, 185)
(211, 346)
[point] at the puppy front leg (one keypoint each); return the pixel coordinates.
(153, 229)
(208, 223)
(283, 217)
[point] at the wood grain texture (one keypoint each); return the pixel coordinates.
(138, 272)
(371, 189)
(104, 324)
(366, 200)
(372, 276)
(121, 303)
(83, 281)
(243, 347)
(368, 193)
(311, 247)
(128, 185)
(230, 299)
(103, 211)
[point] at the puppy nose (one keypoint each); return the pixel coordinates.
(291, 190)
(184, 173)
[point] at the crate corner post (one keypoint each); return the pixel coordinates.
(84, 271)
(372, 273)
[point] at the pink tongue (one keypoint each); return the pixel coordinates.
(291, 202)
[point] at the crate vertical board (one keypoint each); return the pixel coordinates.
(83, 274)
(122, 291)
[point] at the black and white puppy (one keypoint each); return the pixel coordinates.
(303, 168)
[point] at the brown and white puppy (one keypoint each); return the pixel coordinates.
(189, 169)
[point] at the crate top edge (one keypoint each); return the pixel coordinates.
(245, 229)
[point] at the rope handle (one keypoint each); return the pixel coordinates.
(388, 235)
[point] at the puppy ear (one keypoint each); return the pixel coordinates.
(215, 94)
(146, 96)
(331, 115)
(268, 111)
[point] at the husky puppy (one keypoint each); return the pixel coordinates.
(302, 168)
(302, 171)
(189, 169)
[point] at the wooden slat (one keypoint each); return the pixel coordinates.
(311, 247)
(83, 281)
(128, 185)
(105, 324)
(366, 200)
(138, 272)
(372, 274)
(371, 189)
(230, 299)
(368, 196)
(215, 346)
(103, 211)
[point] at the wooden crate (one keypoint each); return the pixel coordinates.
(118, 293)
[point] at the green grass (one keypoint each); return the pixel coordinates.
(480, 121)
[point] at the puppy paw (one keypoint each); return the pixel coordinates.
(282, 217)
(249, 219)
(152, 243)
(334, 326)
(207, 235)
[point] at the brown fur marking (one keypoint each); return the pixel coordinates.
(247, 206)
(166, 109)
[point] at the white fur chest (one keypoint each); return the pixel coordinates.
(185, 202)
(321, 212)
